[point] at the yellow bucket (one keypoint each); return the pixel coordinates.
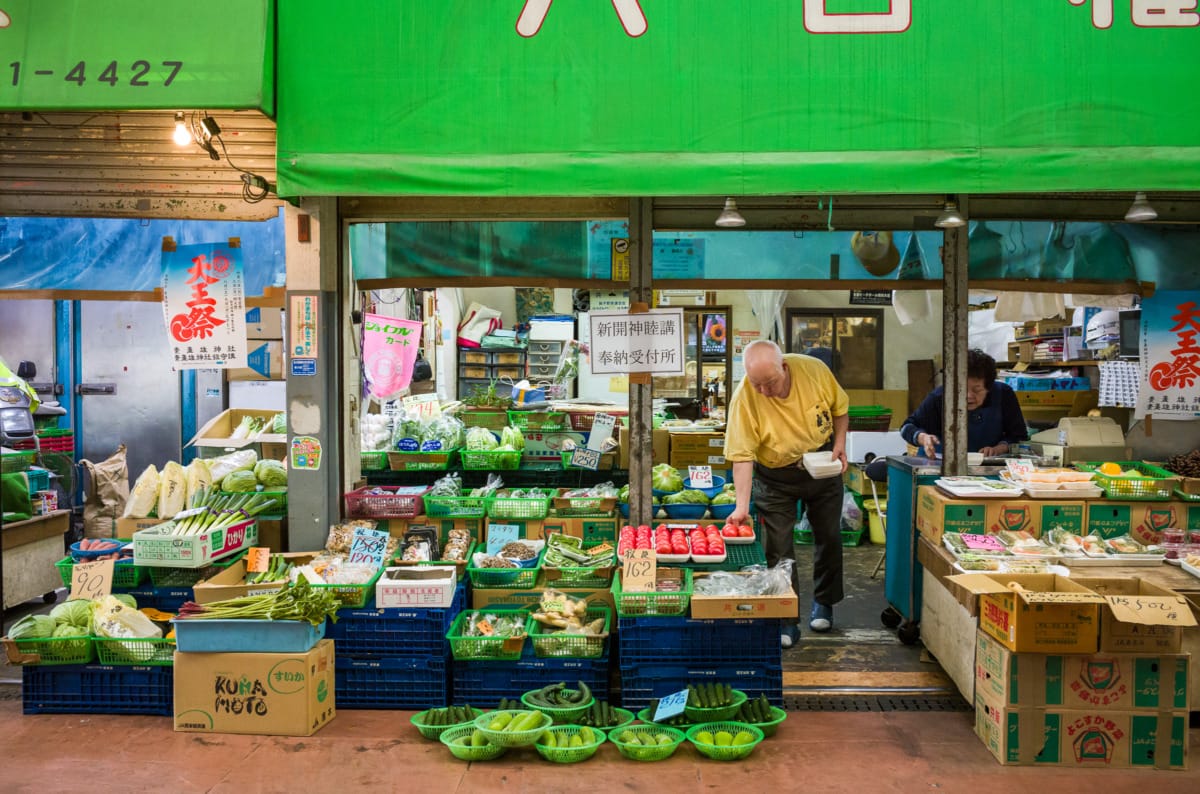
(875, 522)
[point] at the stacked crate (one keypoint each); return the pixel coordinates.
(662, 655)
(478, 368)
(393, 658)
(483, 683)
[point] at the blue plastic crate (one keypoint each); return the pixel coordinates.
(168, 599)
(642, 683)
(482, 684)
(403, 683)
(394, 632)
(646, 641)
(97, 689)
(246, 636)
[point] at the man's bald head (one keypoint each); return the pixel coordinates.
(765, 371)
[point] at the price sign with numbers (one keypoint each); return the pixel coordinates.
(91, 579)
(258, 559)
(640, 572)
(368, 546)
(671, 705)
(423, 406)
(585, 458)
(500, 535)
(700, 476)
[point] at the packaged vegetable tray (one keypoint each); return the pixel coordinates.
(549, 642)
(481, 647)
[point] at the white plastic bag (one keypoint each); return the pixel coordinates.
(852, 515)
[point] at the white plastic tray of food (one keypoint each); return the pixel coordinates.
(709, 559)
(672, 557)
(996, 549)
(821, 465)
(977, 487)
(1050, 490)
(1115, 560)
(1192, 569)
(738, 541)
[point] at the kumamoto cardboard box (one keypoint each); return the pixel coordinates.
(1084, 738)
(1104, 682)
(266, 694)
(697, 449)
(742, 607)
(660, 450)
(1143, 520)
(1138, 616)
(938, 513)
(1036, 613)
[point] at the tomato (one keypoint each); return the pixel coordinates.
(711, 528)
(729, 531)
(745, 532)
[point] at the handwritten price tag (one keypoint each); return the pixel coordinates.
(91, 580)
(585, 458)
(640, 571)
(368, 546)
(258, 559)
(500, 535)
(602, 429)
(700, 476)
(671, 705)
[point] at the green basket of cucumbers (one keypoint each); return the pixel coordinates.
(569, 744)
(467, 743)
(725, 741)
(432, 723)
(760, 713)
(513, 727)
(563, 705)
(713, 702)
(646, 742)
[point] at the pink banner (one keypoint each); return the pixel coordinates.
(389, 350)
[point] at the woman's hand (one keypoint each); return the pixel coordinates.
(991, 452)
(928, 442)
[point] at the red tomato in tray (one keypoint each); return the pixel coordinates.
(729, 531)
(745, 531)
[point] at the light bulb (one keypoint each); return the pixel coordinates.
(182, 135)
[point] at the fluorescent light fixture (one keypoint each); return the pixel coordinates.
(1140, 210)
(182, 135)
(730, 217)
(950, 217)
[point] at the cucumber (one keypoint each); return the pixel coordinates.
(728, 695)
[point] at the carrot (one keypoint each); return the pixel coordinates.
(86, 544)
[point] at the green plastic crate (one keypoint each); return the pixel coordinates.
(13, 462)
(664, 604)
(1150, 484)
(353, 595)
(419, 461)
(186, 577)
(156, 651)
(490, 459)
(530, 509)
(486, 648)
(375, 460)
(126, 575)
(455, 506)
(804, 537)
(549, 643)
(51, 650)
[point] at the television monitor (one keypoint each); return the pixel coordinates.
(1130, 330)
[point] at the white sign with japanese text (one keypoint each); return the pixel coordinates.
(204, 306)
(1171, 355)
(625, 342)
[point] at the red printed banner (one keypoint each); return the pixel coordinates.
(1171, 355)
(204, 306)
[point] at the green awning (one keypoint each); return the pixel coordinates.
(735, 97)
(120, 55)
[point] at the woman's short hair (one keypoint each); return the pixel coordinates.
(981, 365)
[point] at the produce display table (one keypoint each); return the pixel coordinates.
(31, 548)
(540, 475)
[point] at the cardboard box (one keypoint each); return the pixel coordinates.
(1083, 739)
(856, 480)
(548, 446)
(742, 607)
(151, 547)
(681, 460)
(424, 586)
(1191, 515)
(1045, 613)
(273, 534)
(265, 361)
(1056, 398)
(264, 323)
(948, 632)
(938, 561)
(1143, 520)
(125, 527)
(265, 694)
(217, 431)
(938, 513)
(1106, 682)
(398, 526)
(1138, 616)
(483, 597)
(231, 582)
(660, 449)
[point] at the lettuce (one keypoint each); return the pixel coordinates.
(688, 497)
(272, 474)
(725, 498)
(240, 482)
(480, 438)
(32, 627)
(76, 613)
(664, 477)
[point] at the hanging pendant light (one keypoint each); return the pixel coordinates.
(730, 217)
(950, 218)
(182, 135)
(1140, 210)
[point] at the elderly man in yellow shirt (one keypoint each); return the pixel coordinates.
(786, 406)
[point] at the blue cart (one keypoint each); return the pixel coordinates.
(902, 577)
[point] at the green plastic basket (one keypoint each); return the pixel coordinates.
(584, 506)
(512, 738)
(665, 604)
(435, 731)
(451, 737)
(419, 461)
(719, 713)
(725, 752)
(569, 755)
(643, 752)
(490, 459)
(564, 715)
(1150, 484)
(583, 577)
(646, 715)
(505, 507)
(455, 506)
(353, 595)
(502, 578)
(559, 644)
(1185, 496)
(52, 650)
(492, 420)
(622, 717)
(155, 651)
(375, 460)
(13, 462)
(539, 421)
(769, 727)
(126, 575)
(486, 648)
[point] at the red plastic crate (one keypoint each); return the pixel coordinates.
(364, 504)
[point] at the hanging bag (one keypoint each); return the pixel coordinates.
(477, 322)
(106, 493)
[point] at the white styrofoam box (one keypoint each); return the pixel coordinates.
(264, 395)
(880, 444)
(429, 586)
(821, 465)
(562, 330)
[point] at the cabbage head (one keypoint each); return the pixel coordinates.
(240, 482)
(32, 627)
(126, 599)
(480, 438)
(76, 613)
(725, 498)
(271, 473)
(664, 477)
(623, 494)
(689, 497)
(67, 630)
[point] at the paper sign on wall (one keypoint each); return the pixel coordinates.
(390, 348)
(204, 305)
(623, 342)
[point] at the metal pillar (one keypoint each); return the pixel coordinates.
(641, 248)
(313, 381)
(955, 306)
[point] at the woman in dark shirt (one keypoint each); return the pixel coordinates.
(994, 419)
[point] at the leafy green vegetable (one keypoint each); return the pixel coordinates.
(725, 498)
(512, 437)
(76, 613)
(665, 477)
(445, 429)
(623, 494)
(68, 630)
(297, 600)
(240, 482)
(689, 497)
(32, 627)
(480, 438)
(271, 473)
